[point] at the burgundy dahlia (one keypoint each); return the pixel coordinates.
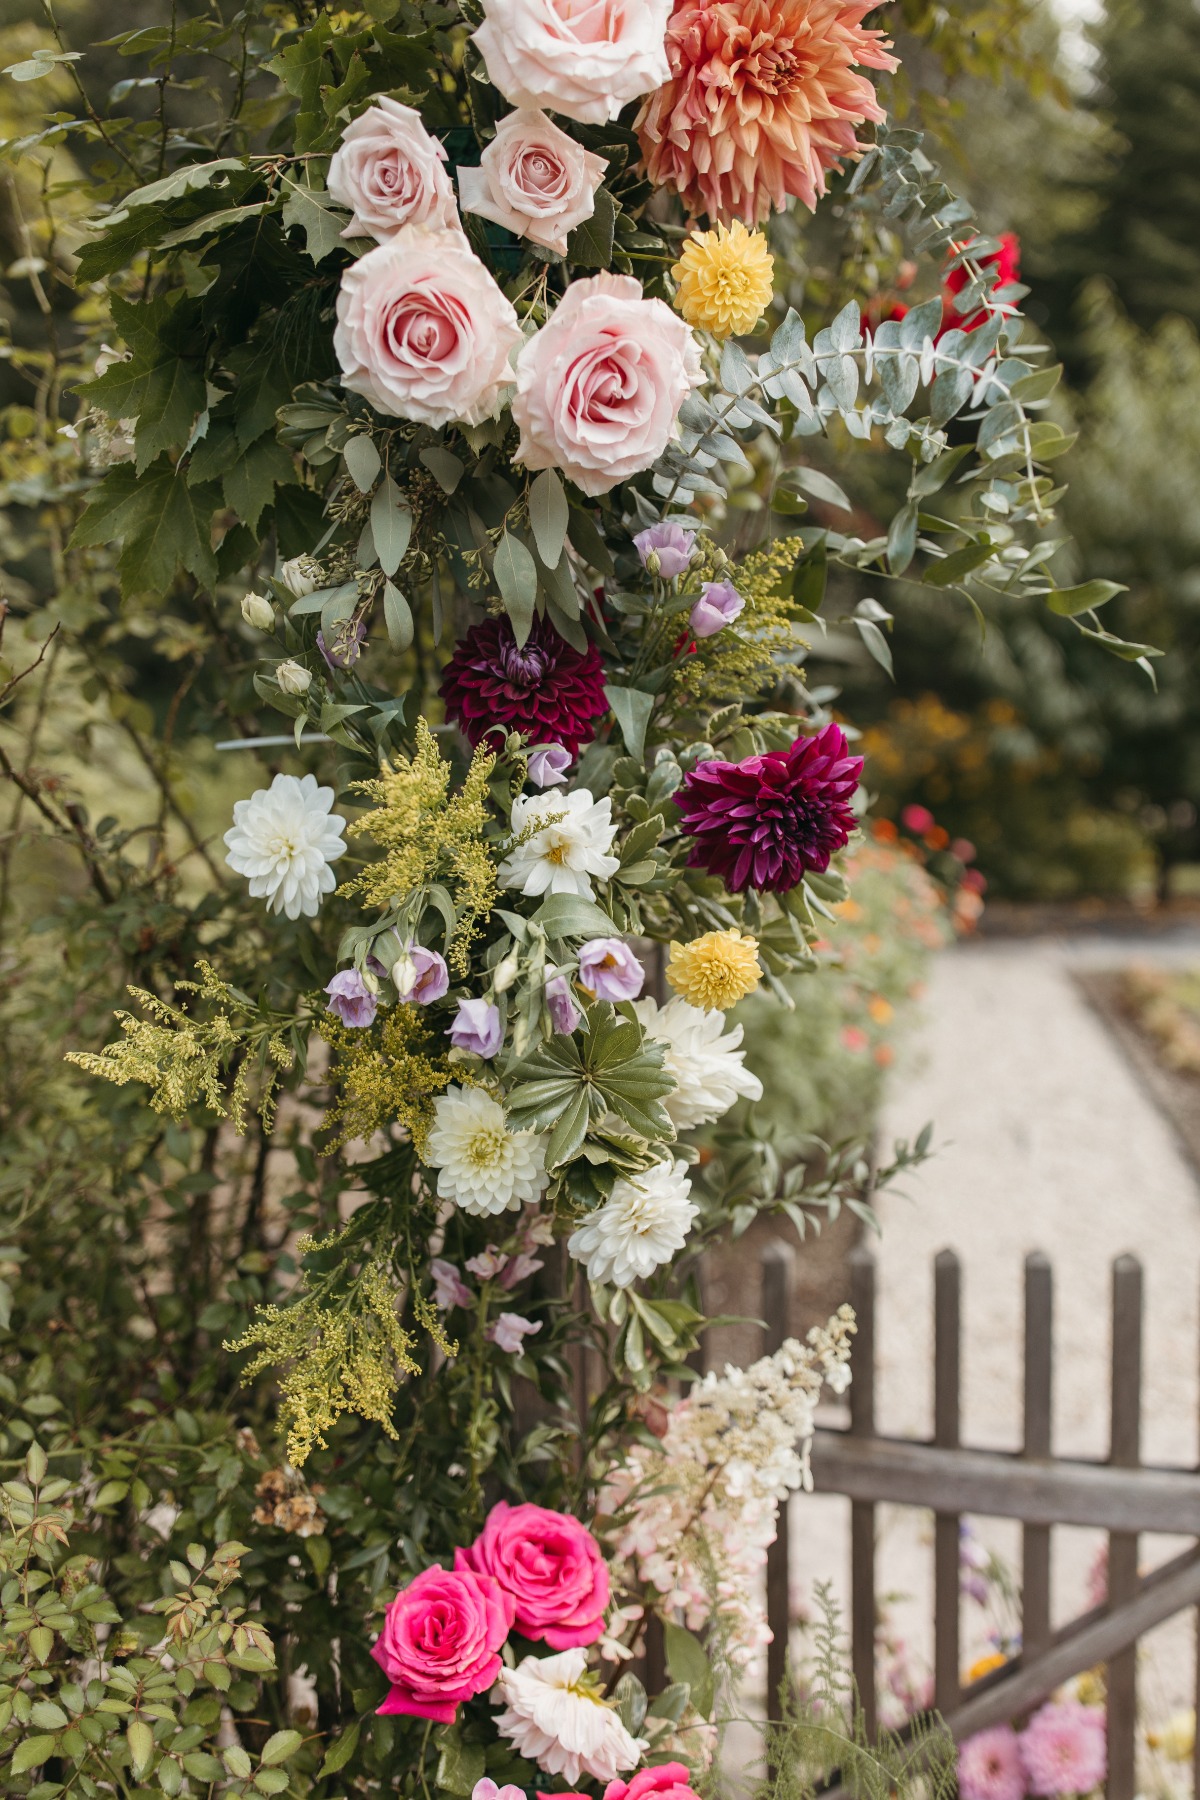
(763, 822)
(547, 690)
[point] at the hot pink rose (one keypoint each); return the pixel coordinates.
(423, 331)
(533, 180)
(390, 172)
(551, 1567)
(585, 58)
(600, 386)
(439, 1642)
(671, 1781)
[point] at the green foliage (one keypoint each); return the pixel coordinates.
(822, 1734)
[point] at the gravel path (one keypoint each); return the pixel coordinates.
(1046, 1141)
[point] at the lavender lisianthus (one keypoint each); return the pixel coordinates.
(477, 1028)
(345, 643)
(548, 767)
(609, 969)
(763, 823)
(560, 1002)
(350, 999)
(420, 975)
(671, 547)
(719, 605)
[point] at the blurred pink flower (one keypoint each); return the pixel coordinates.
(989, 1766)
(1063, 1749)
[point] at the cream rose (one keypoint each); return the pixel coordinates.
(533, 180)
(584, 58)
(390, 172)
(423, 331)
(600, 386)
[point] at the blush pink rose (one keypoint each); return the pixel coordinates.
(390, 172)
(600, 386)
(534, 180)
(423, 331)
(551, 1568)
(584, 58)
(440, 1640)
(669, 1781)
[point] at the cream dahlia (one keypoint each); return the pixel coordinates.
(284, 839)
(708, 1068)
(643, 1223)
(483, 1165)
(763, 101)
(555, 1714)
(562, 842)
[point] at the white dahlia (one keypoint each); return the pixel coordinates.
(564, 840)
(284, 838)
(484, 1166)
(554, 1714)
(643, 1223)
(708, 1069)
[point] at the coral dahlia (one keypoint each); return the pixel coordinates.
(546, 689)
(763, 822)
(763, 101)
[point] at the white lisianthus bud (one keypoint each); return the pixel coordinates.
(404, 975)
(301, 575)
(258, 612)
(293, 677)
(653, 565)
(506, 972)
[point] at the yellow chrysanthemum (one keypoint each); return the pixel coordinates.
(726, 279)
(715, 971)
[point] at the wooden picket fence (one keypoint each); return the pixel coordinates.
(1122, 1496)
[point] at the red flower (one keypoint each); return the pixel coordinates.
(667, 1781)
(1006, 265)
(763, 822)
(550, 1566)
(547, 690)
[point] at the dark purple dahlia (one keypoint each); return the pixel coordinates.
(763, 822)
(547, 690)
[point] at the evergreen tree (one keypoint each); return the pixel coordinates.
(1143, 226)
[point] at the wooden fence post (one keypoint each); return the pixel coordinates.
(947, 1335)
(778, 1282)
(1039, 1376)
(863, 1618)
(1123, 1545)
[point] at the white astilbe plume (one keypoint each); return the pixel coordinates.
(694, 1517)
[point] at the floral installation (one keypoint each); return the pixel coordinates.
(466, 344)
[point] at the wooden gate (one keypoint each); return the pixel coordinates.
(1122, 1496)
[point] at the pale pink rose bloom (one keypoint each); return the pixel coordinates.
(534, 180)
(390, 172)
(423, 331)
(600, 386)
(584, 58)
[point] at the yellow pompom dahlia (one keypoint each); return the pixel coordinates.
(715, 971)
(726, 279)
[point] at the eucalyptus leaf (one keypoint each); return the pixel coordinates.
(516, 577)
(397, 616)
(391, 526)
(549, 515)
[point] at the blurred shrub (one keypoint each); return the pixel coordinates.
(823, 1065)
(1020, 800)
